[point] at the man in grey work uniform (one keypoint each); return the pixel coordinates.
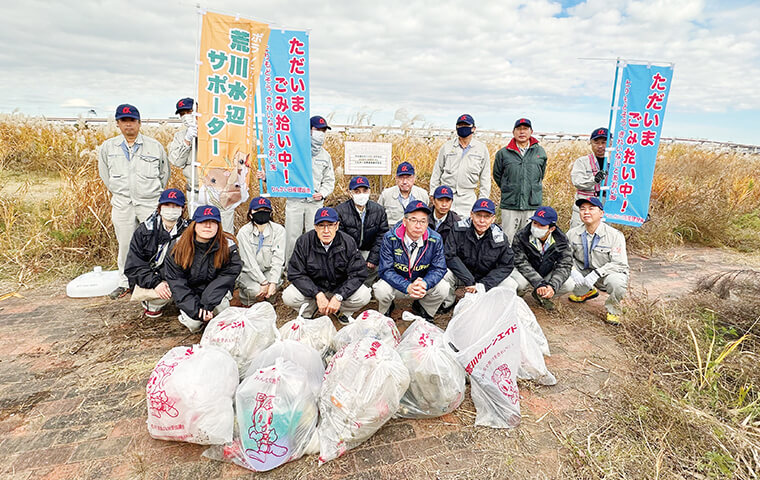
(396, 198)
(463, 164)
(588, 172)
(135, 170)
(519, 171)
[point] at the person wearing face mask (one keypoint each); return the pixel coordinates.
(147, 251)
(477, 252)
(588, 172)
(395, 199)
(365, 221)
(261, 243)
(443, 218)
(134, 170)
(201, 268)
(543, 259)
(463, 164)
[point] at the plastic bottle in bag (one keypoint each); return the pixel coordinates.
(369, 323)
(298, 353)
(318, 333)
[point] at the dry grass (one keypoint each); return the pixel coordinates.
(65, 232)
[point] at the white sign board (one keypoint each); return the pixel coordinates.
(367, 158)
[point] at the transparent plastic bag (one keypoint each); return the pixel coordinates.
(189, 395)
(298, 353)
(485, 337)
(276, 413)
(533, 347)
(369, 323)
(361, 391)
(243, 332)
(318, 333)
(437, 381)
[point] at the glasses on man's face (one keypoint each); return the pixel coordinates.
(325, 226)
(418, 221)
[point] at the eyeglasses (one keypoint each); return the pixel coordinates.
(418, 221)
(325, 226)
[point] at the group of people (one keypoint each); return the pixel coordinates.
(412, 243)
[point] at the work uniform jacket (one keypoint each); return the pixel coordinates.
(550, 267)
(367, 234)
(520, 177)
(136, 177)
(147, 250)
(607, 253)
(444, 229)
(202, 286)
(323, 176)
(265, 264)
(341, 269)
(395, 268)
(582, 176)
(394, 209)
(463, 170)
(179, 156)
(487, 260)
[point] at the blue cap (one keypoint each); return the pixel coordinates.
(593, 201)
(172, 195)
(126, 110)
(319, 122)
(600, 132)
(325, 214)
(415, 206)
(444, 191)
(466, 118)
(358, 182)
(523, 121)
(206, 212)
(405, 168)
(484, 205)
(545, 215)
(185, 104)
(259, 202)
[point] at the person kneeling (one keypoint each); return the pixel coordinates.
(201, 268)
(326, 271)
(543, 259)
(477, 251)
(262, 249)
(412, 264)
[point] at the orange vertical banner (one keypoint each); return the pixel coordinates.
(231, 52)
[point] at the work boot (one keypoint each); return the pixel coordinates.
(593, 293)
(420, 312)
(612, 319)
(119, 292)
(343, 319)
(390, 309)
(544, 303)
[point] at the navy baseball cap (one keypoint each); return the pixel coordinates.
(466, 118)
(599, 133)
(206, 212)
(523, 121)
(405, 168)
(484, 205)
(259, 202)
(319, 122)
(415, 206)
(185, 104)
(593, 201)
(172, 195)
(443, 191)
(357, 182)
(545, 215)
(325, 214)
(126, 110)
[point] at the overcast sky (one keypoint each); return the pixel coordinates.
(497, 59)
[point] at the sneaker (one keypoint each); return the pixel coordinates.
(390, 309)
(151, 313)
(419, 311)
(343, 319)
(443, 310)
(593, 293)
(612, 319)
(120, 292)
(544, 303)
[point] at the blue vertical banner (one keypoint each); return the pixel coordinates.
(642, 97)
(286, 131)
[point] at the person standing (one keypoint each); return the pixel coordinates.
(588, 172)
(463, 164)
(519, 171)
(395, 199)
(180, 150)
(135, 171)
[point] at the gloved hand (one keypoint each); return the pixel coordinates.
(591, 279)
(577, 277)
(600, 176)
(192, 132)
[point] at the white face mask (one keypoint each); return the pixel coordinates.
(361, 199)
(171, 213)
(189, 120)
(317, 138)
(538, 232)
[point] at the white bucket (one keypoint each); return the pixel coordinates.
(93, 284)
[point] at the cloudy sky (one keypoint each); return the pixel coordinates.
(497, 59)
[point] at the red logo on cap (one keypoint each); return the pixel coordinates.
(323, 214)
(208, 211)
(321, 120)
(181, 103)
(125, 110)
(420, 204)
(262, 201)
(444, 190)
(541, 213)
(172, 194)
(359, 180)
(600, 131)
(484, 203)
(464, 117)
(522, 120)
(403, 168)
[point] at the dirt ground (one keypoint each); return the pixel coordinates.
(73, 374)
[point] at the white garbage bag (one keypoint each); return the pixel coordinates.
(533, 347)
(298, 353)
(485, 337)
(363, 385)
(189, 395)
(244, 332)
(276, 413)
(369, 323)
(437, 381)
(318, 333)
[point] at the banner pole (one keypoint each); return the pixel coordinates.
(259, 159)
(609, 130)
(194, 148)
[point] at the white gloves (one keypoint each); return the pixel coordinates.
(577, 277)
(192, 132)
(591, 279)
